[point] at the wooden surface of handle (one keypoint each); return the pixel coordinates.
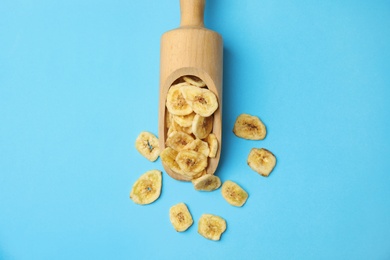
(192, 13)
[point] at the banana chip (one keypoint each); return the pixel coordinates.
(147, 188)
(249, 127)
(178, 140)
(211, 226)
(198, 146)
(191, 162)
(184, 121)
(261, 161)
(234, 194)
(176, 104)
(147, 145)
(180, 217)
(168, 156)
(212, 141)
(202, 101)
(202, 126)
(207, 182)
(195, 81)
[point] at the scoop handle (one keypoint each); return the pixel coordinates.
(192, 13)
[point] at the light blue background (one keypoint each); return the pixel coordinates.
(79, 80)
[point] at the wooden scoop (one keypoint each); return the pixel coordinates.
(193, 50)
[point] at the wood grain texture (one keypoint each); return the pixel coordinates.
(191, 49)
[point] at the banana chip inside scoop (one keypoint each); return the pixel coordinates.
(147, 188)
(249, 127)
(202, 101)
(211, 226)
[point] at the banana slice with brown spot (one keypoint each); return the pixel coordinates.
(202, 126)
(147, 145)
(207, 182)
(261, 161)
(212, 141)
(180, 217)
(249, 127)
(198, 146)
(147, 188)
(195, 81)
(191, 162)
(211, 226)
(202, 101)
(178, 140)
(175, 103)
(168, 156)
(184, 121)
(234, 194)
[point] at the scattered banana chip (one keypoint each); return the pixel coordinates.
(261, 161)
(207, 182)
(147, 145)
(176, 104)
(234, 194)
(202, 101)
(168, 159)
(198, 146)
(212, 141)
(178, 140)
(191, 162)
(147, 188)
(249, 127)
(195, 81)
(202, 126)
(211, 226)
(180, 217)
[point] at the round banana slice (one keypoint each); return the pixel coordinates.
(202, 126)
(202, 101)
(207, 182)
(191, 163)
(147, 188)
(177, 127)
(195, 81)
(180, 217)
(147, 145)
(176, 104)
(211, 226)
(184, 121)
(168, 156)
(261, 161)
(178, 140)
(234, 194)
(249, 127)
(198, 146)
(212, 141)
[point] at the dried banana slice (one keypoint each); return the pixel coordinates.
(195, 81)
(198, 146)
(207, 182)
(184, 121)
(202, 101)
(211, 226)
(234, 194)
(147, 145)
(202, 126)
(261, 161)
(168, 118)
(168, 156)
(178, 140)
(177, 127)
(147, 188)
(180, 217)
(212, 141)
(191, 162)
(249, 127)
(176, 104)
